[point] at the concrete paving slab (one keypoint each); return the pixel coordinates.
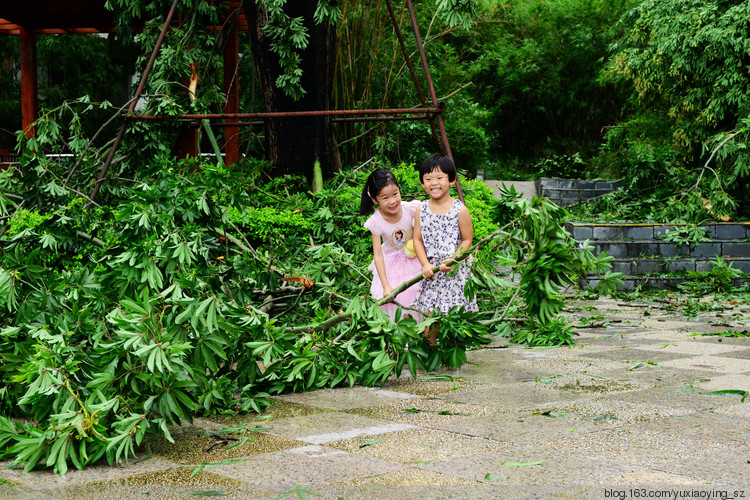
(415, 476)
(666, 323)
(634, 356)
(501, 366)
(277, 409)
(445, 491)
(680, 400)
(704, 425)
(651, 476)
(331, 426)
(196, 448)
(170, 484)
(344, 398)
(512, 396)
(665, 376)
(711, 363)
(743, 353)
(668, 335)
(740, 410)
(431, 385)
(419, 446)
(307, 466)
(705, 333)
(552, 467)
(727, 467)
(564, 363)
(10, 491)
(526, 428)
(605, 340)
(47, 480)
(582, 383)
(621, 330)
(693, 347)
(612, 410)
(426, 412)
(636, 445)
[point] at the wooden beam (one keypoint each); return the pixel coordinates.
(29, 94)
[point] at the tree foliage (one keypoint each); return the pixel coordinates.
(687, 131)
(189, 288)
(192, 288)
(519, 79)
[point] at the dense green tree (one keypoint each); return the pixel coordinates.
(518, 78)
(522, 81)
(69, 66)
(535, 66)
(294, 43)
(688, 63)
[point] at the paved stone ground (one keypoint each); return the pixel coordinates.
(623, 414)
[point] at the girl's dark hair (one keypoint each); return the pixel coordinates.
(437, 162)
(377, 180)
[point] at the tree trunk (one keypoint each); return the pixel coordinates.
(294, 144)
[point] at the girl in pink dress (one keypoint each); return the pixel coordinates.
(392, 226)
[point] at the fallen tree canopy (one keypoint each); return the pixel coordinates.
(169, 299)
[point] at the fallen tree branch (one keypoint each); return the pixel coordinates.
(346, 316)
(91, 239)
(236, 241)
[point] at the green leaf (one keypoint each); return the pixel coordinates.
(133, 306)
(371, 442)
(184, 315)
(522, 464)
(205, 493)
(734, 392)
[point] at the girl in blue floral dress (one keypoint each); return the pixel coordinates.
(442, 230)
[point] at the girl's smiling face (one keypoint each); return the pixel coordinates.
(436, 184)
(389, 199)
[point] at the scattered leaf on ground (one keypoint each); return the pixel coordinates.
(372, 442)
(522, 464)
(735, 392)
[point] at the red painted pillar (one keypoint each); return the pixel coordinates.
(188, 141)
(231, 134)
(29, 94)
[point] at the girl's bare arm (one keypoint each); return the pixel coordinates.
(419, 247)
(466, 229)
(377, 257)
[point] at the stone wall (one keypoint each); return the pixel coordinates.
(640, 251)
(564, 192)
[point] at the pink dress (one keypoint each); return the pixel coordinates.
(398, 266)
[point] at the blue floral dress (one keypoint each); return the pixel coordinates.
(441, 236)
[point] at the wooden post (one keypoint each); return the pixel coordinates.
(231, 60)
(188, 140)
(29, 94)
